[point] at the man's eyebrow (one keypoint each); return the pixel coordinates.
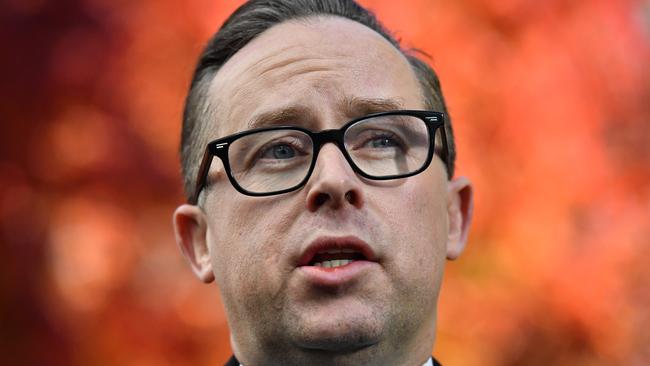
(283, 116)
(353, 107)
(357, 107)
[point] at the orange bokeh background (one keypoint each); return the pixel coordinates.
(551, 106)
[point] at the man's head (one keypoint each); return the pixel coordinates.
(249, 21)
(268, 254)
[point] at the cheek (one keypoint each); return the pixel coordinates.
(419, 206)
(244, 248)
(417, 226)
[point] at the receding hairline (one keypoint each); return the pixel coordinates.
(210, 88)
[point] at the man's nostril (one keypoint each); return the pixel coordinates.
(321, 199)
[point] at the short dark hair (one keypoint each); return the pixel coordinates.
(249, 21)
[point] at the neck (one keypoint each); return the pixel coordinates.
(377, 354)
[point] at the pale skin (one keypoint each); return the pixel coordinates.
(319, 73)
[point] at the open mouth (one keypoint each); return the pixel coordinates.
(335, 261)
(333, 252)
(333, 258)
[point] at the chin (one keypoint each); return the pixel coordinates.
(342, 348)
(339, 335)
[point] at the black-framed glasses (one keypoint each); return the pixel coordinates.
(379, 146)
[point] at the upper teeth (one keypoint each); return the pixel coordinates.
(333, 263)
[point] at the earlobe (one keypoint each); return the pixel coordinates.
(190, 229)
(460, 205)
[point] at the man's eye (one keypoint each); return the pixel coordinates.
(380, 140)
(382, 143)
(280, 151)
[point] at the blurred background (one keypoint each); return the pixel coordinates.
(551, 105)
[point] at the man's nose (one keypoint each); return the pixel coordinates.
(333, 183)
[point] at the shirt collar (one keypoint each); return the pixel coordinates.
(428, 363)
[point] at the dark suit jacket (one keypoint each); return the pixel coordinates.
(233, 362)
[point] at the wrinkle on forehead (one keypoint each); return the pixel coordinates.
(279, 68)
(298, 67)
(292, 56)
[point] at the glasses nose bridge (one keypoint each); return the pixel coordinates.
(328, 136)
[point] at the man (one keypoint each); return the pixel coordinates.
(318, 165)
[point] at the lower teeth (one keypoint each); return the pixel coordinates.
(333, 263)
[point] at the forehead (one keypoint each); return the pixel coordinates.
(316, 65)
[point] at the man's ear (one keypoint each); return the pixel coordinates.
(190, 228)
(460, 205)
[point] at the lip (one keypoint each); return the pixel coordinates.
(337, 276)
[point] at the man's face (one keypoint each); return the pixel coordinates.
(319, 74)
